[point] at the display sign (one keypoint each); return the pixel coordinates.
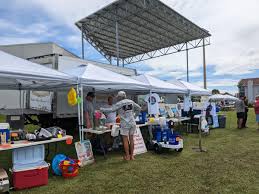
(139, 144)
(84, 152)
(41, 100)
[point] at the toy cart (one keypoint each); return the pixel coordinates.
(167, 140)
(159, 146)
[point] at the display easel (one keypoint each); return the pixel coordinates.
(199, 148)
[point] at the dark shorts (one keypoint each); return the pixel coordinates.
(240, 115)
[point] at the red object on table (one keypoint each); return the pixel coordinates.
(69, 141)
(30, 178)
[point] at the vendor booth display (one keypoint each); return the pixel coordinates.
(28, 150)
(99, 80)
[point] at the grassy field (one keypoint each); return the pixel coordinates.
(230, 165)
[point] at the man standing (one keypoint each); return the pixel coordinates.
(246, 112)
(126, 109)
(240, 109)
(256, 108)
(89, 110)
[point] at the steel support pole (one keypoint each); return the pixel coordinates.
(117, 43)
(79, 112)
(83, 46)
(204, 65)
(82, 110)
(187, 62)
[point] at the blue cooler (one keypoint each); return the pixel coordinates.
(172, 139)
(142, 118)
(164, 135)
(158, 135)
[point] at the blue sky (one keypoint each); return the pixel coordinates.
(233, 54)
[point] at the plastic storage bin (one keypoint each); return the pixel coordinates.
(29, 168)
(222, 121)
(4, 133)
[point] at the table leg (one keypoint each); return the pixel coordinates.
(103, 145)
(150, 133)
(47, 151)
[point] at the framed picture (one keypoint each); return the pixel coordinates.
(84, 152)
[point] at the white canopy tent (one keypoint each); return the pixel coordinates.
(192, 89)
(160, 86)
(101, 80)
(222, 97)
(17, 73)
(104, 80)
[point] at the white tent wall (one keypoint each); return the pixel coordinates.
(10, 99)
(170, 98)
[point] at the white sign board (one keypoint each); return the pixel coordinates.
(41, 100)
(139, 144)
(84, 152)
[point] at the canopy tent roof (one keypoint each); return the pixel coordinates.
(193, 89)
(17, 73)
(160, 86)
(104, 80)
(143, 27)
(222, 97)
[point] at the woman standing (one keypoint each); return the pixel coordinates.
(256, 107)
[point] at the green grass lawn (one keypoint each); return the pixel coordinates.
(230, 165)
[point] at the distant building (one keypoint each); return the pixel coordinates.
(249, 88)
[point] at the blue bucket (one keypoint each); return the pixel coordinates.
(55, 163)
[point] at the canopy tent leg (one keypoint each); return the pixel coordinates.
(187, 61)
(83, 46)
(82, 111)
(20, 98)
(79, 112)
(117, 43)
(204, 65)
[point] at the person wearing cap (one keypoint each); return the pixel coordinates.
(126, 109)
(89, 110)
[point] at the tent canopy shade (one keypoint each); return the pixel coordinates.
(193, 89)
(160, 86)
(222, 97)
(142, 26)
(101, 79)
(17, 73)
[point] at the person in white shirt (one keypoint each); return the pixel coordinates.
(152, 101)
(127, 109)
(111, 116)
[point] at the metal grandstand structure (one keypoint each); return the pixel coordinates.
(131, 31)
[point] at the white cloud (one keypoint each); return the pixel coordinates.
(219, 83)
(5, 40)
(234, 28)
(234, 31)
(233, 24)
